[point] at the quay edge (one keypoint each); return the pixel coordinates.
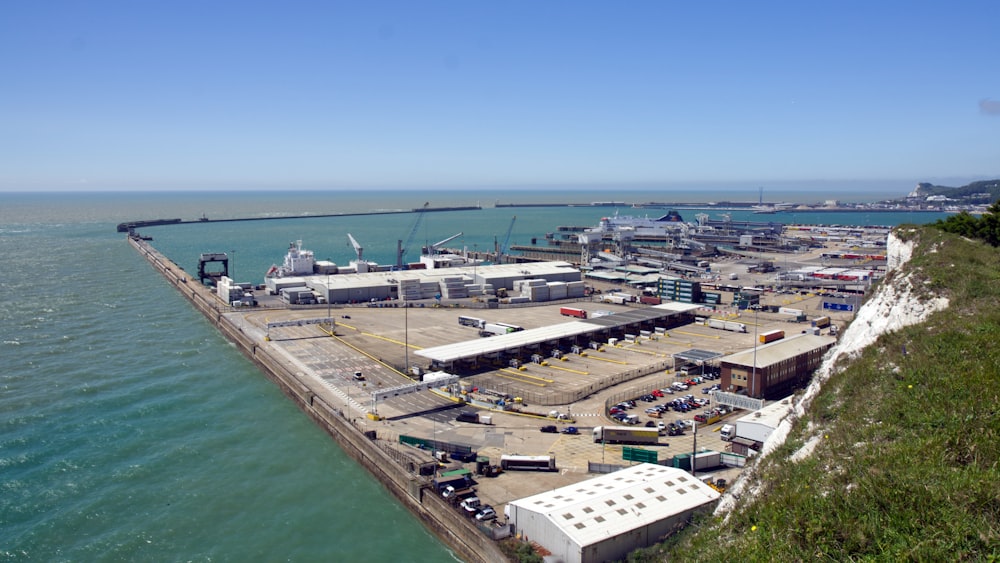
(435, 513)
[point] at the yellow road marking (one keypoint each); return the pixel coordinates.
(522, 374)
(568, 369)
(607, 360)
(414, 346)
(696, 334)
(521, 380)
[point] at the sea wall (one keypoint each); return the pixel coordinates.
(458, 532)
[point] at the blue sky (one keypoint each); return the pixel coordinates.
(464, 94)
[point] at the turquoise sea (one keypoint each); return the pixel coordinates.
(131, 431)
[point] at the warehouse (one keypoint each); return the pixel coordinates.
(776, 369)
(605, 518)
(428, 284)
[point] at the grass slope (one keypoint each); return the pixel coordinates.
(906, 464)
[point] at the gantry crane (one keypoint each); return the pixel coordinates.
(402, 248)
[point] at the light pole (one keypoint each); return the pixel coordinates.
(406, 338)
(753, 375)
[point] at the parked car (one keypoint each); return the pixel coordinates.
(486, 513)
(550, 429)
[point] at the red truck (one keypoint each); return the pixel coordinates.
(573, 312)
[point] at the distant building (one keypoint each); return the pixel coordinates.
(781, 366)
(604, 518)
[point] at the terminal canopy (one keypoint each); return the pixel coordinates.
(697, 357)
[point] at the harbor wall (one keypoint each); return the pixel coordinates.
(457, 531)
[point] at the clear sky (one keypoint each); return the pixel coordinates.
(245, 94)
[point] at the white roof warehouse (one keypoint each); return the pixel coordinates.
(604, 518)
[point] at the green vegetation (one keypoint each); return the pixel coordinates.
(983, 191)
(906, 465)
(985, 228)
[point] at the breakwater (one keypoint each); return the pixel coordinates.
(132, 225)
(411, 490)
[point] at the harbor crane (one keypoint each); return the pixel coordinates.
(433, 249)
(502, 249)
(402, 248)
(357, 246)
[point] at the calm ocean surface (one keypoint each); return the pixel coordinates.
(131, 431)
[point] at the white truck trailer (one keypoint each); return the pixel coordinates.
(626, 435)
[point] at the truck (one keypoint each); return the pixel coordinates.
(727, 433)
(771, 336)
(573, 312)
(702, 461)
(650, 300)
(821, 322)
(474, 417)
(456, 482)
(731, 326)
(626, 435)
(495, 329)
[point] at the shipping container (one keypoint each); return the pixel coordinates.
(771, 336)
(573, 312)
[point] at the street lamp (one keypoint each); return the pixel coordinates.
(753, 375)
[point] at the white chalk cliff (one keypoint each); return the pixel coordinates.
(893, 305)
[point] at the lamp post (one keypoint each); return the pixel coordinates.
(753, 375)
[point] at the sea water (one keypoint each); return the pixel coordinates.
(130, 430)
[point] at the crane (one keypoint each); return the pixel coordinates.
(402, 248)
(357, 247)
(502, 250)
(432, 249)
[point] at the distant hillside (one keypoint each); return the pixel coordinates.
(896, 457)
(985, 191)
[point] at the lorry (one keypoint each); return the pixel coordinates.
(727, 433)
(454, 495)
(474, 417)
(573, 312)
(731, 326)
(821, 322)
(626, 435)
(457, 482)
(496, 329)
(650, 300)
(771, 336)
(701, 461)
